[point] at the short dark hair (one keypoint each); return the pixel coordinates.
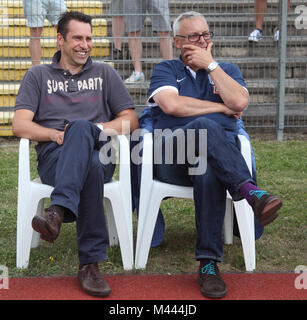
(71, 15)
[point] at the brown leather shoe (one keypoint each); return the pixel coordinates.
(49, 225)
(211, 282)
(91, 280)
(265, 207)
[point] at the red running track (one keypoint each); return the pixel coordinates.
(241, 286)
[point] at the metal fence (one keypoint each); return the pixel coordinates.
(274, 71)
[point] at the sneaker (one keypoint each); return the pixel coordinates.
(255, 36)
(265, 206)
(276, 35)
(136, 77)
(211, 282)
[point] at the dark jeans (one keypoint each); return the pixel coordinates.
(78, 177)
(226, 170)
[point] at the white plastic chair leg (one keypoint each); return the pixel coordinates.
(123, 231)
(245, 218)
(113, 237)
(28, 201)
(24, 232)
(228, 222)
(146, 225)
(36, 235)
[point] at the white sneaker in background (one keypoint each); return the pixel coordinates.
(255, 36)
(136, 77)
(276, 35)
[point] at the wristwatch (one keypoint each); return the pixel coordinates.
(100, 126)
(212, 66)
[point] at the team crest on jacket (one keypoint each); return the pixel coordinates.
(215, 91)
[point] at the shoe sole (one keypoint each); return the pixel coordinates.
(51, 240)
(40, 226)
(254, 39)
(269, 212)
(94, 293)
(97, 294)
(210, 294)
(214, 296)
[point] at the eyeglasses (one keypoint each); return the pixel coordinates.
(196, 37)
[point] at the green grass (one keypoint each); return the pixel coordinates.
(282, 169)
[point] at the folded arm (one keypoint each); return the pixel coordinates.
(180, 106)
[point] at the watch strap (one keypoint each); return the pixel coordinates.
(212, 66)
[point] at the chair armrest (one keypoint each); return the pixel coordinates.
(124, 158)
(24, 162)
(147, 158)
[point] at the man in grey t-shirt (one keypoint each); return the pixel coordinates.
(64, 106)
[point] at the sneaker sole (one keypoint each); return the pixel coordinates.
(211, 295)
(269, 212)
(254, 39)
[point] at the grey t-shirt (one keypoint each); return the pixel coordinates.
(97, 93)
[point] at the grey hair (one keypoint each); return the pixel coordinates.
(186, 15)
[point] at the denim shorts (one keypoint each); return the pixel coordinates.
(135, 13)
(36, 11)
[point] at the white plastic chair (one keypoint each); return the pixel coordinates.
(153, 191)
(117, 200)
